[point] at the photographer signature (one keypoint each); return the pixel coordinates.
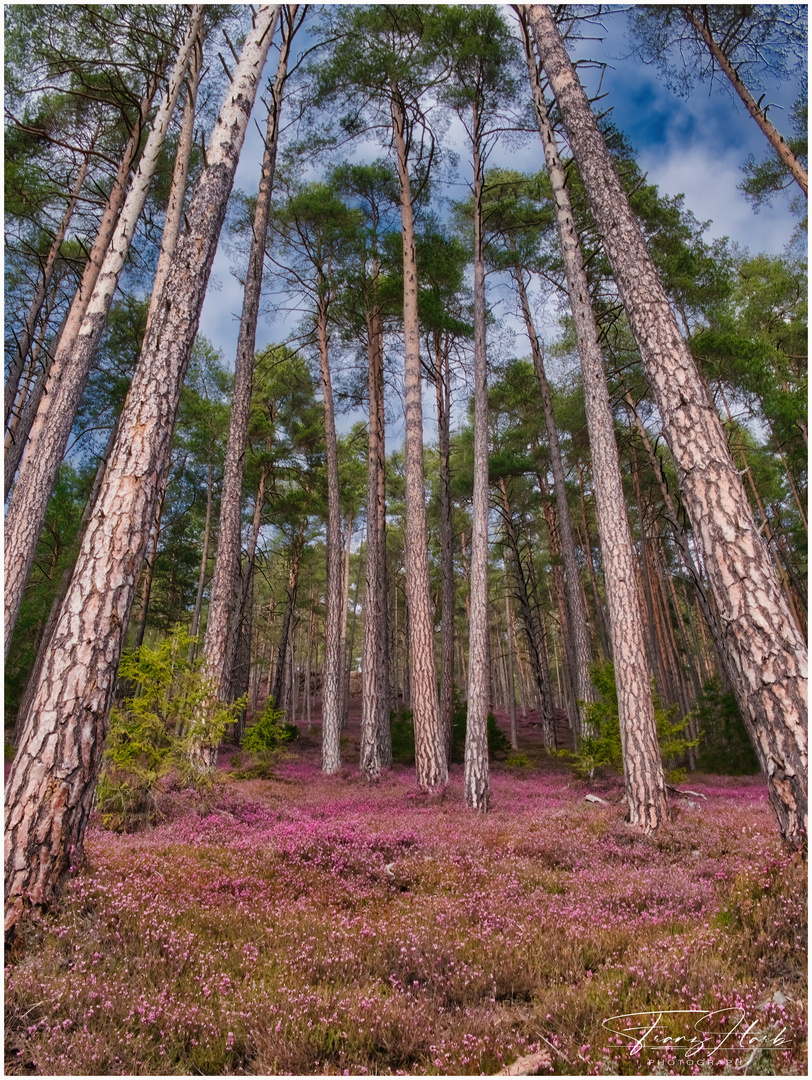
(702, 1034)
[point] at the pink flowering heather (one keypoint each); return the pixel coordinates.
(314, 925)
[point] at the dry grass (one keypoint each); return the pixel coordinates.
(313, 925)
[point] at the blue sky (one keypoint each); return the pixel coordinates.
(694, 146)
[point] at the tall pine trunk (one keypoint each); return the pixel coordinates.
(49, 793)
(432, 769)
(765, 646)
(331, 683)
(476, 772)
(223, 586)
(645, 783)
(376, 739)
(443, 393)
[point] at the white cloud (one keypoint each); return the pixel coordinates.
(710, 186)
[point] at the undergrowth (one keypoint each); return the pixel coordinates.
(314, 925)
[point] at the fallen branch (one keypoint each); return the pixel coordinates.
(528, 1066)
(685, 791)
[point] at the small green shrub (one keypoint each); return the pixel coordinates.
(154, 731)
(519, 761)
(603, 747)
(269, 732)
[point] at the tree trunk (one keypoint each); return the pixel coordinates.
(331, 685)
(476, 780)
(726, 670)
(432, 770)
(561, 604)
(344, 674)
(21, 422)
(768, 652)
(645, 783)
(511, 681)
(49, 792)
(204, 558)
(586, 547)
(374, 668)
(246, 584)
(581, 652)
(443, 392)
(222, 599)
(532, 627)
(53, 615)
(149, 563)
(287, 618)
(773, 137)
(71, 364)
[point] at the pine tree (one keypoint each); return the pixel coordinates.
(61, 749)
(767, 650)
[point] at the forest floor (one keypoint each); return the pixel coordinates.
(313, 925)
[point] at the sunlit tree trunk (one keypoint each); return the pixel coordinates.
(243, 597)
(767, 650)
(49, 792)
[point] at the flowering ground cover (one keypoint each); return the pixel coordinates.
(314, 925)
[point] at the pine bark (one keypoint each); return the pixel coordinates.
(71, 365)
(223, 592)
(767, 651)
(149, 562)
(768, 129)
(331, 685)
(246, 584)
(511, 678)
(476, 775)
(204, 559)
(344, 671)
(645, 783)
(447, 603)
(49, 792)
(432, 770)
(376, 736)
